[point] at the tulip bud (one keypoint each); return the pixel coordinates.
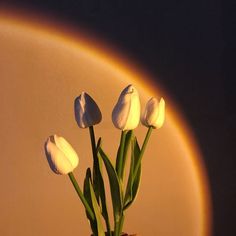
(126, 113)
(154, 113)
(87, 112)
(61, 157)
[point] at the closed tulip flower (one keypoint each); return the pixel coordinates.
(87, 112)
(61, 157)
(154, 113)
(126, 113)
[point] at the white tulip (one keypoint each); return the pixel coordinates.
(61, 157)
(87, 112)
(154, 113)
(126, 113)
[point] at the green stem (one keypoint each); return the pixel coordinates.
(142, 150)
(116, 229)
(121, 153)
(125, 152)
(93, 144)
(81, 196)
(95, 162)
(121, 224)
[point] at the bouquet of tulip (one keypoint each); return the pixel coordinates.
(63, 159)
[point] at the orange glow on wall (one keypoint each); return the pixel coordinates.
(106, 57)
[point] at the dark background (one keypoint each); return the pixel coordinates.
(189, 46)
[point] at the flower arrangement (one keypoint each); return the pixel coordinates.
(63, 159)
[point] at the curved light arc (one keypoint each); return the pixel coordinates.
(105, 55)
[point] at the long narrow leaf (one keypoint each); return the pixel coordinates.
(135, 188)
(137, 178)
(87, 195)
(102, 195)
(128, 193)
(133, 181)
(99, 144)
(115, 186)
(136, 183)
(137, 151)
(128, 138)
(120, 154)
(100, 230)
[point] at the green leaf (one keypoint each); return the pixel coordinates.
(87, 195)
(136, 183)
(100, 188)
(120, 154)
(99, 144)
(128, 192)
(128, 138)
(133, 182)
(100, 230)
(102, 195)
(135, 188)
(115, 186)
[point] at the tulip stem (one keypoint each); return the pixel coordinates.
(93, 144)
(81, 196)
(121, 223)
(125, 151)
(120, 157)
(95, 162)
(148, 134)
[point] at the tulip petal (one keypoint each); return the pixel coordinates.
(161, 114)
(154, 113)
(67, 149)
(57, 160)
(87, 112)
(126, 113)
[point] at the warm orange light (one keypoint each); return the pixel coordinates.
(106, 55)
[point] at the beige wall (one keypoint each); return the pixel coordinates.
(40, 77)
